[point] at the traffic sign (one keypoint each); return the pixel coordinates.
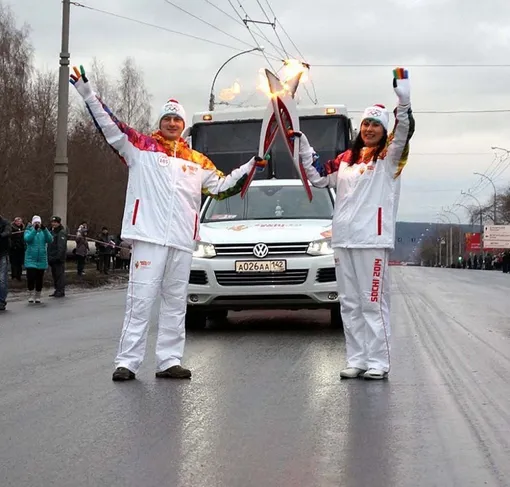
(496, 237)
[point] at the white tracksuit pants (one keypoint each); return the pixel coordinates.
(155, 271)
(363, 290)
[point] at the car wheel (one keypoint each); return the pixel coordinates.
(219, 315)
(195, 320)
(336, 318)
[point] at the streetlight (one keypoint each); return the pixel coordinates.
(479, 206)
(451, 238)
(440, 243)
(495, 193)
(460, 231)
(211, 95)
(466, 208)
(60, 170)
(443, 217)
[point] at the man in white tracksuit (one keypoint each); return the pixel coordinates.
(367, 182)
(161, 220)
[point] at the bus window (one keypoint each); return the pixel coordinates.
(231, 144)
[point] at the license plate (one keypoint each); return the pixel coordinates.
(261, 266)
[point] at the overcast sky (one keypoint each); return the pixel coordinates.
(394, 32)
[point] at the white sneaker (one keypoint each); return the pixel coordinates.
(351, 373)
(30, 297)
(375, 374)
(37, 298)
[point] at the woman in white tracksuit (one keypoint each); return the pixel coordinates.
(161, 221)
(367, 182)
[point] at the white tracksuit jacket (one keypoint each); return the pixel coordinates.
(164, 189)
(368, 192)
(363, 233)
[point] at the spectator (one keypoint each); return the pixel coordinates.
(17, 250)
(105, 247)
(5, 234)
(37, 238)
(125, 254)
(82, 248)
(57, 251)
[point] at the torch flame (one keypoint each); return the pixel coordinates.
(228, 94)
(291, 68)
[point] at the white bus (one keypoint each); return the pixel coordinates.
(231, 137)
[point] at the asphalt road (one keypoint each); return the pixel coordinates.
(265, 406)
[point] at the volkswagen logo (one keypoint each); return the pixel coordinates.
(260, 250)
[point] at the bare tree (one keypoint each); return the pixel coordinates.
(28, 117)
(134, 99)
(15, 72)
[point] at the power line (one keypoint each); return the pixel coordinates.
(261, 34)
(464, 154)
(314, 100)
(209, 24)
(411, 65)
(450, 112)
(148, 24)
(284, 31)
(274, 26)
(251, 33)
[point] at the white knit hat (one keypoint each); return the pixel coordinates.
(377, 113)
(36, 219)
(172, 108)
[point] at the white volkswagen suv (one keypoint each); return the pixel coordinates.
(270, 250)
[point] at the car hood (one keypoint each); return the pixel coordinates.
(266, 231)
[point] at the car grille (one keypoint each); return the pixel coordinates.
(198, 277)
(326, 274)
(289, 277)
(274, 249)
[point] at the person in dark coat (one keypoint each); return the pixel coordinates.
(82, 248)
(105, 247)
(57, 252)
(5, 235)
(17, 250)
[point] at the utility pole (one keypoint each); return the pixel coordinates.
(60, 176)
(451, 245)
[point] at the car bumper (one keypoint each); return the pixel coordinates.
(308, 283)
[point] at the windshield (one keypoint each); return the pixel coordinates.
(231, 144)
(271, 202)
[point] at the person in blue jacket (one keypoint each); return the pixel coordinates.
(37, 238)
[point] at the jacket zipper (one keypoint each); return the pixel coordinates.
(379, 221)
(135, 211)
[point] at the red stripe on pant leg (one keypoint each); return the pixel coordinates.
(379, 221)
(383, 275)
(135, 211)
(195, 232)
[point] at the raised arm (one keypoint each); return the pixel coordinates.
(29, 234)
(319, 175)
(219, 186)
(124, 140)
(398, 140)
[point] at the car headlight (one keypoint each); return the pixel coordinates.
(320, 247)
(204, 250)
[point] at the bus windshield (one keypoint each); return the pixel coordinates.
(272, 202)
(231, 144)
